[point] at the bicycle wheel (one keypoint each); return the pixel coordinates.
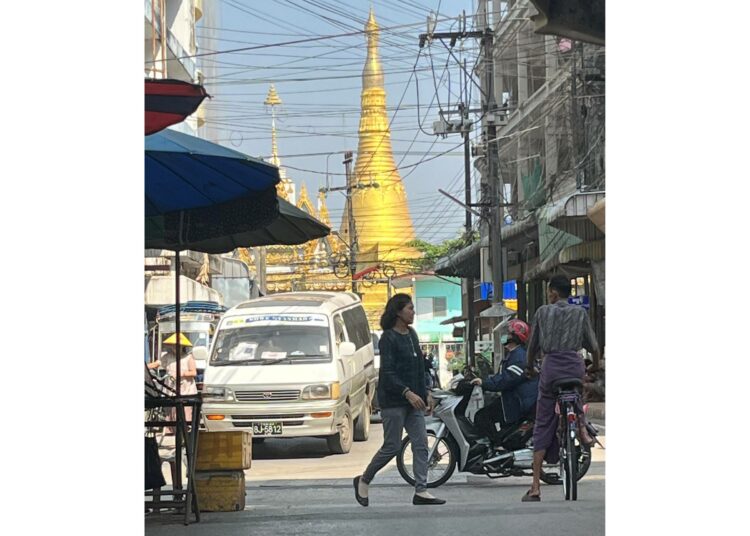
(564, 454)
(571, 473)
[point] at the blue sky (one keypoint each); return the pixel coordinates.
(320, 83)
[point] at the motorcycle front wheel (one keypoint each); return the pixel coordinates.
(439, 469)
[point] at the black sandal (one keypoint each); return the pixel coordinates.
(531, 498)
(364, 501)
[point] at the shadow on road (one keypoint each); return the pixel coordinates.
(287, 449)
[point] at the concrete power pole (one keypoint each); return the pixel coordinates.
(349, 192)
(348, 158)
(443, 128)
(494, 203)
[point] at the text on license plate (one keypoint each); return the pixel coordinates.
(267, 428)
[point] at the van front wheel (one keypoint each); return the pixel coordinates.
(341, 442)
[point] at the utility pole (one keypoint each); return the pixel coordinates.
(349, 191)
(464, 126)
(348, 157)
(470, 329)
(495, 206)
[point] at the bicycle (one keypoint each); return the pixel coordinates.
(572, 450)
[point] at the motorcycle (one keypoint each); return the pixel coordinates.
(453, 441)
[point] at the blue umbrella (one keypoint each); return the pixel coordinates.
(197, 190)
(186, 172)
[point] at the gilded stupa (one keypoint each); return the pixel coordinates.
(306, 266)
(381, 212)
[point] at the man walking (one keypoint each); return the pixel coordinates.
(559, 330)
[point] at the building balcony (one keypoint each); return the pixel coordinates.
(178, 66)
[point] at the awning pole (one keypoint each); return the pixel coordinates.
(177, 318)
(179, 410)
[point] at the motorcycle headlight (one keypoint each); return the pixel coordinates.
(217, 393)
(323, 391)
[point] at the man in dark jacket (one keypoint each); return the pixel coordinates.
(518, 392)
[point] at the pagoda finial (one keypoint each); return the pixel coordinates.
(372, 25)
(273, 100)
(372, 75)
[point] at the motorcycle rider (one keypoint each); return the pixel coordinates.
(518, 391)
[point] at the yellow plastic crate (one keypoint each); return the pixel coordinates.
(222, 491)
(224, 451)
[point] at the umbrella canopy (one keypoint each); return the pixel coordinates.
(197, 191)
(169, 102)
(292, 226)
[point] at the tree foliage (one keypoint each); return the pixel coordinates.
(432, 252)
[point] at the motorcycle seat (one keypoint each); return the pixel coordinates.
(566, 384)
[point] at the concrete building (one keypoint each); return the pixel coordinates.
(170, 36)
(549, 157)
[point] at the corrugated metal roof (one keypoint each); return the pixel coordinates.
(570, 214)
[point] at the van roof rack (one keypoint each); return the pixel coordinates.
(194, 307)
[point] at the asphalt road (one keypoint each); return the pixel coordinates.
(295, 487)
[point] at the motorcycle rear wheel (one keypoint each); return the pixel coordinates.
(439, 470)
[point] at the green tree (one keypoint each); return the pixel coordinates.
(432, 252)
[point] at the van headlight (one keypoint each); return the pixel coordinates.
(323, 391)
(217, 393)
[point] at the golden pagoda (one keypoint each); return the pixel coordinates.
(306, 266)
(381, 212)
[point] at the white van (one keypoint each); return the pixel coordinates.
(292, 365)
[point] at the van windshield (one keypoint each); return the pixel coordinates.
(260, 345)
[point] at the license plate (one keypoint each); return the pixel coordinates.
(267, 428)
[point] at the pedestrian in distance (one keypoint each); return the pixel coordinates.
(559, 331)
(188, 368)
(404, 398)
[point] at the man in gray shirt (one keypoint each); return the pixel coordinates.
(559, 331)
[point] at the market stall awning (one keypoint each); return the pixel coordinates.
(577, 257)
(466, 262)
(570, 214)
(497, 310)
(160, 291)
(463, 263)
(169, 102)
(596, 214)
(453, 320)
(581, 20)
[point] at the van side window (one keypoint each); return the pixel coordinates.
(338, 329)
(357, 327)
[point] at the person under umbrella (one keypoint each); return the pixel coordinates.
(188, 368)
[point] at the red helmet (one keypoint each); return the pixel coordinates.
(519, 330)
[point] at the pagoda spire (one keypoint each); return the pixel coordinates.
(284, 188)
(381, 211)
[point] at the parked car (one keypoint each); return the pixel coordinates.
(296, 364)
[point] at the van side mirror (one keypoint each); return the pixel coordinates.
(347, 349)
(200, 353)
